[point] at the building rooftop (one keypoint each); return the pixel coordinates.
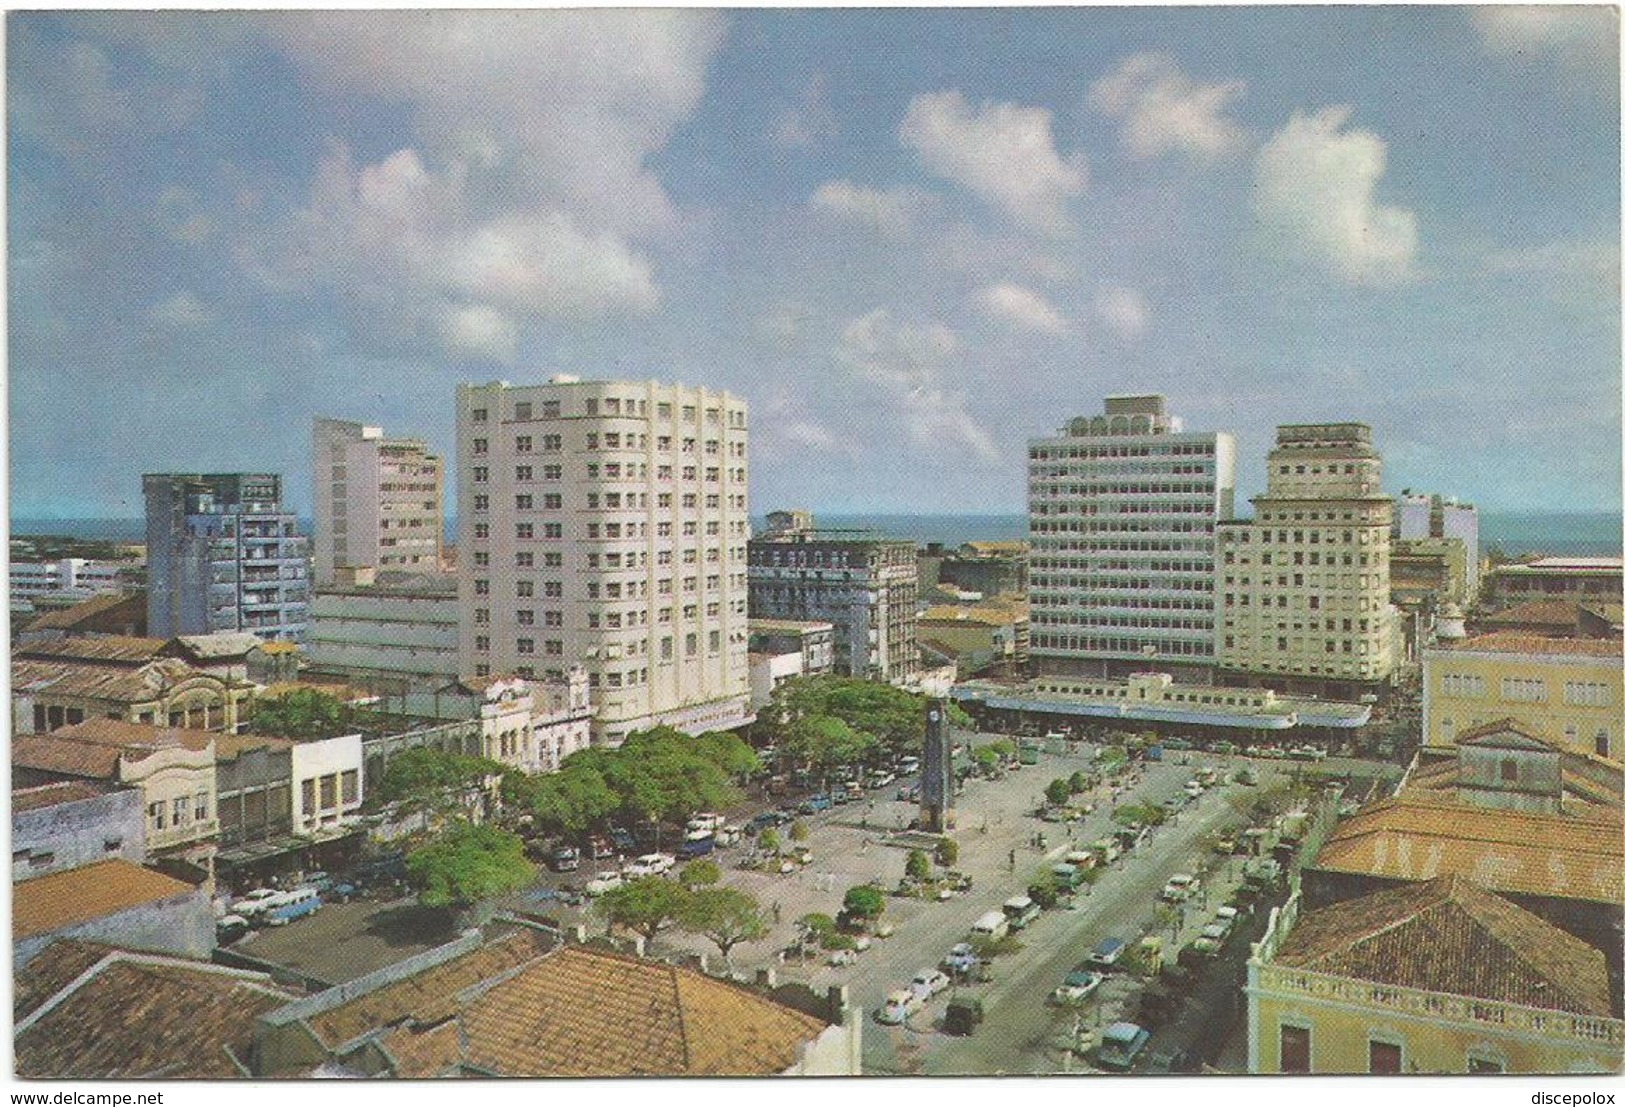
(1417, 836)
(60, 792)
(108, 604)
(229, 746)
(788, 626)
(50, 903)
(129, 1016)
(94, 747)
(993, 549)
(213, 647)
(993, 613)
(1449, 935)
(1511, 642)
(1553, 618)
(104, 682)
(113, 649)
(1566, 565)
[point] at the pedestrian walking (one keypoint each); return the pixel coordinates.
(775, 913)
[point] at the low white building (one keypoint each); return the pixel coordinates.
(405, 629)
(768, 671)
(64, 581)
(327, 784)
(535, 725)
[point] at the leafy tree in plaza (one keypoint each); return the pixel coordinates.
(1058, 791)
(467, 864)
(824, 742)
(727, 752)
(799, 832)
(427, 779)
(699, 874)
(986, 758)
(1165, 917)
(572, 800)
(643, 905)
(1044, 890)
(1004, 747)
(864, 902)
(303, 713)
(918, 865)
(947, 852)
(727, 916)
(770, 841)
(1077, 782)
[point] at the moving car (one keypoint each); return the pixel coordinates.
(928, 982)
(1076, 987)
(899, 1006)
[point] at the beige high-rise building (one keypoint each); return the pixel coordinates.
(378, 503)
(604, 523)
(1303, 586)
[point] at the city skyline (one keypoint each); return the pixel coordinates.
(912, 240)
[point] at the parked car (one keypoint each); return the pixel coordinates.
(764, 821)
(1120, 1045)
(294, 905)
(881, 779)
(706, 820)
(899, 1006)
(624, 842)
(599, 847)
(650, 864)
(812, 805)
(1180, 887)
(697, 844)
(1076, 987)
(565, 859)
(928, 982)
(908, 766)
(228, 928)
(604, 882)
(1108, 952)
(257, 902)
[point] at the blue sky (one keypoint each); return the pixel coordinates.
(912, 239)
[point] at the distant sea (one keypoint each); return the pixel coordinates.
(1573, 534)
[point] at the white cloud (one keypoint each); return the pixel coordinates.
(811, 121)
(1020, 308)
(1316, 185)
(182, 311)
(1577, 269)
(1574, 34)
(1164, 111)
(889, 210)
(479, 332)
(1003, 153)
(1124, 310)
(903, 364)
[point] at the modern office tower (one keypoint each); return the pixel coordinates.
(1303, 586)
(378, 503)
(865, 584)
(604, 523)
(1122, 511)
(1425, 516)
(223, 554)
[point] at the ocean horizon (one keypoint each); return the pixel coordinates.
(1512, 533)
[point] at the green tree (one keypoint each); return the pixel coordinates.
(816, 924)
(918, 865)
(1077, 782)
(986, 758)
(799, 832)
(864, 902)
(1044, 890)
(823, 741)
(572, 800)
(643, 905)
(699, 874)
(1058, 791)
(467, 864)
(727, 916)
(947, 852)
(302, 713)
(770, 841)
(1004, 747)
(427, 779)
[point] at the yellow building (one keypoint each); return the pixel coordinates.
(1435, 977)
(1566, 690)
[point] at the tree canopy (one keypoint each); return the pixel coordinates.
(864, 902)
(304, 713)
(727, 916)
(468, 863)
(429, 779)
(643, 905)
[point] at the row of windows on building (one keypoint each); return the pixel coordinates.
(1384, 1057)
(1128, 507)
(526, 501)
(1526, 690)
(1162, 647)
(1296, 580)
(1074, 595)
(612, 620)
(1115, 488)
(180, 811)
(524, 410)
(1261, 645)
(1094, 453)
(1148, 603)
(1116, 530)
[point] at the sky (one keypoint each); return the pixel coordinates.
(911, 239)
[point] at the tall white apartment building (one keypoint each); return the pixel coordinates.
(604, 524)
(1425, 516)
(1122, 512)
(1304, 588)
(378, 502)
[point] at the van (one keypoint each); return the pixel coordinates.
(1021, 910)
(1068, 878)
(296, 905)
(991, 926)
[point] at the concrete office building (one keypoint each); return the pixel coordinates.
(378, 503)
(604, 523)
(1442, 517)
(400, 630)
(866, 585)
(1122, 512)
(224, 554)
(1303, 587)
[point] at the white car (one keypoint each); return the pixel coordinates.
(1180, 887)
(706, 820)
(1077, 987)
(928, 982)
(650, 864)
(260, 899)
(899, 1006)
(603, 882)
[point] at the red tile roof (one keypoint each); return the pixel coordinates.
(50, 795)
(135, 1016)
(1512, 642)
(111, 649)
(135, 736)
(50, 903)
(132, 606)
(1449, 935)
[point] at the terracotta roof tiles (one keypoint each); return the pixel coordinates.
(113, 649)
(1511, 642)
(71, 617)
(50, 795)
(1448, 935)
(49, 971)
(50, 903)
